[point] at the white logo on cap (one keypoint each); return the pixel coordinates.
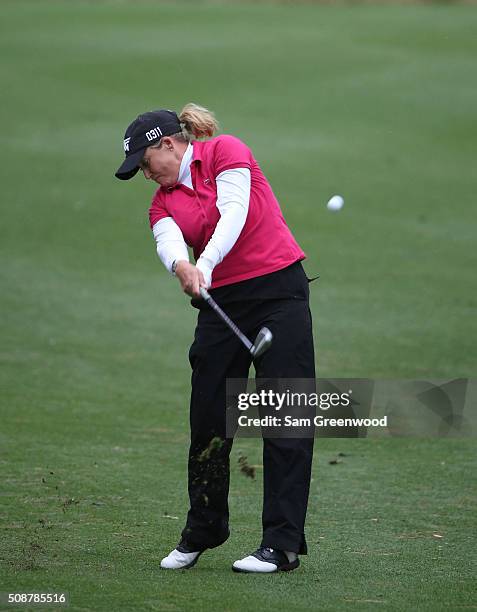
(154, 133)
(126, 144)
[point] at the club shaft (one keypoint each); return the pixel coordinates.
(213, 304)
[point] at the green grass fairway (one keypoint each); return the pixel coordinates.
(375, 103)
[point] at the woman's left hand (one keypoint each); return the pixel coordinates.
(190, 277)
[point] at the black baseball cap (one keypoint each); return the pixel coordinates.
(143, 132)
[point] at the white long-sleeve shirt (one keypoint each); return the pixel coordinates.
(233, 196)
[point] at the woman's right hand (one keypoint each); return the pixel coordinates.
(190, 277)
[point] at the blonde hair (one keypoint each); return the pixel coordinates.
(197, 122)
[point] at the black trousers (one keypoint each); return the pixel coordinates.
(215, 355)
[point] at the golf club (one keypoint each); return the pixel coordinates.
(262, 341)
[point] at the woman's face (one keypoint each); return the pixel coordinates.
(162, 164)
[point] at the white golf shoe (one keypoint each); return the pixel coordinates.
(180, 558)
(266, 560)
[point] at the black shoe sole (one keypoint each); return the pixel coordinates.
(288, 567)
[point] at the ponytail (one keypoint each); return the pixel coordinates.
(197, 122)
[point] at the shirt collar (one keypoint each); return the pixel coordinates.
(198, 150)
(184, 170)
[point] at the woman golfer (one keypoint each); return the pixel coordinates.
(213, 197)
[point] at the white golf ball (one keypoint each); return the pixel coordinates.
(335, 203)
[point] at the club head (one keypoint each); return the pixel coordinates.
(262, 342)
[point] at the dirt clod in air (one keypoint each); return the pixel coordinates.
(215, 444)
(245, 467)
